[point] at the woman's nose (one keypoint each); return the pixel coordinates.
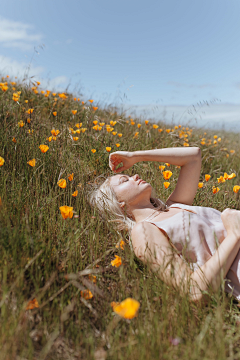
(136, 177)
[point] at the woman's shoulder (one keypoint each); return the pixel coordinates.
(146, 231)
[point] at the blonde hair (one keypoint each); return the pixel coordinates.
(105, 200)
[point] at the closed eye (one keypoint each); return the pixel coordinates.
(124, 179)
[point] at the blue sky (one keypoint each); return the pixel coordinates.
(131, 53)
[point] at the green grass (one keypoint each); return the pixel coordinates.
(39, 248)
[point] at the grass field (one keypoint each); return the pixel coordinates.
(57, 282)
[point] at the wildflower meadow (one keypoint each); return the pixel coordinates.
(70, 286)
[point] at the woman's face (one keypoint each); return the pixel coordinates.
(131, 190)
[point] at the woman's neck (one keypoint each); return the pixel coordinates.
(141, 214)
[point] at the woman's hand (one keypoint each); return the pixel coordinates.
(117, 157)
(231, 221)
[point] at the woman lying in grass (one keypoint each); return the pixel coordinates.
(192, 248)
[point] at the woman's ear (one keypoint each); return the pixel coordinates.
(122, 204)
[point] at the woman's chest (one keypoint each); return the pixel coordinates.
(168, 214)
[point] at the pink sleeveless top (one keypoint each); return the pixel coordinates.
(196, 237)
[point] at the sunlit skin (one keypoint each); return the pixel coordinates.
(133, 194)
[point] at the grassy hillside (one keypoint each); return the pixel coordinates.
(57, 282)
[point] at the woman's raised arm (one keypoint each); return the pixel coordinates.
(189, 158)
(175, 155)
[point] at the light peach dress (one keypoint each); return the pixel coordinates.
(196, 234)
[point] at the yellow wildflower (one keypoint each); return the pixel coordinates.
(62, 183)
(127, 309)
(1, 161)
(236, 188)
(32, 162)
(66, 211)
(117, 261)
(167, 174)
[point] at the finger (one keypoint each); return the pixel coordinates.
(122, 168)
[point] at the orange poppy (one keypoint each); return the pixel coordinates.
(55, 113)
(75, 193)
(166, 184)
(20, 123)
(215, 189)
(1, 161)
(117, 261)
(236, 188)
(108, 148)
(66, 211)
(117, 145)
(167, 174)
(127, 309)
(93, 151)
(55, 132)
(146, 122)
(200, 185)
(122, 244)
(207, 177)
(95, 108)
(231, 176)
(32, 304)
(86, 294)
(32, 162)
(70, 177)
(221, 179)
(74, 112)
(43, 148)
(62, 183)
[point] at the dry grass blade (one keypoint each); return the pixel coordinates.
(55, 295)
(101, 257)
(94, 289)
(83, 273)
(69, 308)
(53, 336)
(89, 306)
(21, 273)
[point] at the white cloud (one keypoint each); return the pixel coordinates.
(58, 83)
(16, 34)
(13, 68)
(24, 70)
(214, 116)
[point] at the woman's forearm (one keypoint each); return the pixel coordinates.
(218, 265)
(173, 155)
